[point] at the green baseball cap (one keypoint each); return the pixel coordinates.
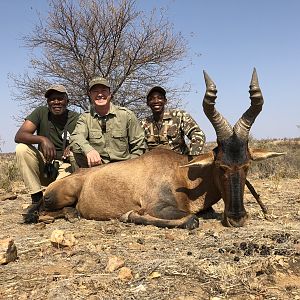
(99, 80)
(55, 87)
(158, 89)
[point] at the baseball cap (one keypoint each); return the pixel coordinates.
(98, 80)
(55, 87)
(156, 89)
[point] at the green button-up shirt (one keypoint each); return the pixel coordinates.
(117, 136)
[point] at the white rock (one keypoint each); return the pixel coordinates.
(59, 238)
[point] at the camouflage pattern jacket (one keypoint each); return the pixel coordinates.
(171, 132)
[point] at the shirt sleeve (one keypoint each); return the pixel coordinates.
(194, 134)
(78, 139)
(35, 116)
(136, 136)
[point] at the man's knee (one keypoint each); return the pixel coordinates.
(21, 149)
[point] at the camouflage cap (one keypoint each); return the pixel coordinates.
(158, 89)
(98, 80)
(55, 87)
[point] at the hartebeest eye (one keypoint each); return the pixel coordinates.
(227, 168)
(224, 168)
(245, 167)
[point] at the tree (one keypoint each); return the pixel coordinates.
(83, 38)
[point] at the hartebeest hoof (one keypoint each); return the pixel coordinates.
(191, 223)
(31, 213)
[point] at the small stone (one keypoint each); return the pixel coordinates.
(139, 288)
(59, 238)
(154, 275)
(114, 263)
(125, 274)
(8, 251)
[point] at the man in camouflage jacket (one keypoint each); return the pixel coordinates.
(170, 128)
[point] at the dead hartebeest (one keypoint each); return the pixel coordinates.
(165, 189)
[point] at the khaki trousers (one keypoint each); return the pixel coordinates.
(31, 163)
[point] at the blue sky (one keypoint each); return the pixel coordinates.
(227, 38)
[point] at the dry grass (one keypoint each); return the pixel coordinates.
(9, 171)
(287, 166)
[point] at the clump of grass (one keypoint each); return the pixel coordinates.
(9, 171)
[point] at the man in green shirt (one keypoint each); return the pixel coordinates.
(49, 127)
(106, 133)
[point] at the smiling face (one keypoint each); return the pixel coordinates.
(100, 96)
(57, 103)
(156, 101)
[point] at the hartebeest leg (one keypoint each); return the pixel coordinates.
(69, 213)
(163, 213)
(189, 221)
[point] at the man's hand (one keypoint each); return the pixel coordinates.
(48, 149)
(93, 158)
(66, 153)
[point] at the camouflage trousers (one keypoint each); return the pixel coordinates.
(31, 163)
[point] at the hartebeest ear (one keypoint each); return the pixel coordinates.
(260, 154)
(203, 160)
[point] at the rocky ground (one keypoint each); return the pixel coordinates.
(258, 261)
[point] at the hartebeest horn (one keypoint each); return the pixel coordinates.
(222, 127)
(243, 125)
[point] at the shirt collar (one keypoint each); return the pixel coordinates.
(167, 115)
(112, 111)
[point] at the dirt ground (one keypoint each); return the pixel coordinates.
(258, 261)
